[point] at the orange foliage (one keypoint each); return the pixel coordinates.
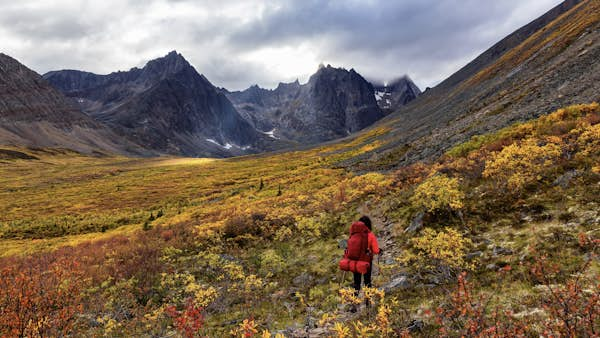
(187, 321)
(40, 296)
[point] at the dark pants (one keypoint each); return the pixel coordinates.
(357, 279)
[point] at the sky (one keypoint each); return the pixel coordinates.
(238, 43)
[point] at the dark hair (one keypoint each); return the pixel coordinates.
(365, 219)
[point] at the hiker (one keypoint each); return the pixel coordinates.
(372, 249)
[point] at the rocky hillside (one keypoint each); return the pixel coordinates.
(547, 64)
(165, 106)
(34, 114)
(334, 103)
(396, 94)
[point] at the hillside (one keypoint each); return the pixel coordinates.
(34, 114)
(547, 64)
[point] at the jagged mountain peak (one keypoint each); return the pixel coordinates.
(396, 93)
(333, 103)
(169, 64)
(165, 106)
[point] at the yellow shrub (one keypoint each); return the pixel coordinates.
(271, 263)
(520, 164)
(438, 253)
(437, 193)
(589, 141)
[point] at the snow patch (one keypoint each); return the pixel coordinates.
(213, 141)
(379, 95)
(227, 145)
(271, 133)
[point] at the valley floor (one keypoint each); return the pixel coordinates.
(497, 237)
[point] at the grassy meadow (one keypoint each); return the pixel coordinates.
(499, 236)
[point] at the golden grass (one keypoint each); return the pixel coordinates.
(64, 199)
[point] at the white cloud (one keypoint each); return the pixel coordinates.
(239, 43)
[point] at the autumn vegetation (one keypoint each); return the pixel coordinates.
(109, 246)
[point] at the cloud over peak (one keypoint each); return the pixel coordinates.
(240, 43)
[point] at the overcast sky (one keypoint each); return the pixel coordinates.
(237, 43)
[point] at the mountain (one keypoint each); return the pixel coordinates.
(551, 62)
(332, 104)
(166, 106)
(396, 94)
(34, 114)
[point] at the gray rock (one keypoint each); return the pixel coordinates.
(473, 255)
(526, 219)
(498, 251)
(302, 279)
(416, 224)
(398, 282)
(565, 179)
(491, 267)
(415, 325)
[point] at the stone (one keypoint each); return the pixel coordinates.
(565, 179)
(416, 224)
(473, 255)
(398, 282)
(498, 250)
(302, 279)
(415, 325)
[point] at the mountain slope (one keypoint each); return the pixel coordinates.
(545, 65)
(165, 106)
(334, 103)
(34, 114)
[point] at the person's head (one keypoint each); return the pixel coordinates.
(366, 220)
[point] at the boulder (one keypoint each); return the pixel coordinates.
(398, 282)
(416, 224)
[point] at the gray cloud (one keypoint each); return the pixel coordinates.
(239, 43)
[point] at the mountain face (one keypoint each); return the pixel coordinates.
(550, 63)
(396, 94)
(32, 113)
(165, 106)
(334, 103)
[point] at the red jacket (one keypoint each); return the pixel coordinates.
(373, 246)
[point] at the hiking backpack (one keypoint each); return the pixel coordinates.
(356, 258)
(358, 244)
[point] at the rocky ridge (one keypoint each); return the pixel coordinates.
(334, 103)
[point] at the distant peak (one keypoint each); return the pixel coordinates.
(171, 63)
